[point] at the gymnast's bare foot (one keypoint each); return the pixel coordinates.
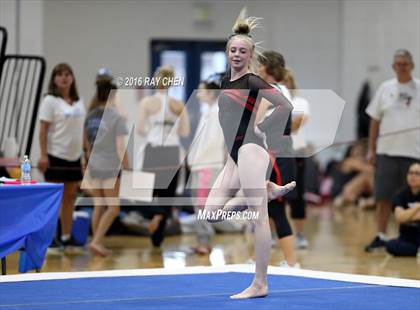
(275, 191)
(99, 249)
(254, 291)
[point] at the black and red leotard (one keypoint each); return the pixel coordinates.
(238, 105)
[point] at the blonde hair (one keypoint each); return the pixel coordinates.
(165, 74)
(242, 29)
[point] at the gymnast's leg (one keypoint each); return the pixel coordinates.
(253, 162)
(225, 194)
(222, 194)
(275, 191)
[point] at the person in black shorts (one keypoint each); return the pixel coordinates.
(406, 206)
(62, 115)
(242, 183)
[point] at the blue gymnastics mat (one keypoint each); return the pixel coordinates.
(202, 291)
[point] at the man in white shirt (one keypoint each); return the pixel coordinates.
(394, 139)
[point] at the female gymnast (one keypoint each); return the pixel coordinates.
(242, 182)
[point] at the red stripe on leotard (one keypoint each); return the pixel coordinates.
(276, 168)
(239, 98)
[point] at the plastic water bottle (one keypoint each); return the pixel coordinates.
(25, 170)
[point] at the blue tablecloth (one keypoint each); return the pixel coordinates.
(28, 219)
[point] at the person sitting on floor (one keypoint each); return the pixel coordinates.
(353, 178)
(406, 206)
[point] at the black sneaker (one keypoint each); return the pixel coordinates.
(71, 243)
(73, 247)
(375, 244)
(56, 247)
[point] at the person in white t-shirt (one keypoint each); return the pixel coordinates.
(394, 139)
(61, 116)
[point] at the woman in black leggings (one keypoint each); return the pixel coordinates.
(283, 168)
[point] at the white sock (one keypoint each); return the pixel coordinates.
(382, 236)
(65, 238)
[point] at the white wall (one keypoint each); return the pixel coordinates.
(29, 15)
(94, 34)
(372, 32)
(8, 17)
(307, 33)
(328, 44)
(119, 36)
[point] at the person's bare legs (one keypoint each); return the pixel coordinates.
(356, 187)
(298, 225)
(106, 220)
(384, 210)
(224, 190)
(253, 162)
(225, 194)
(253, 182)
(154, 223)
(99, 207)
(287, 245)
(67, 207)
